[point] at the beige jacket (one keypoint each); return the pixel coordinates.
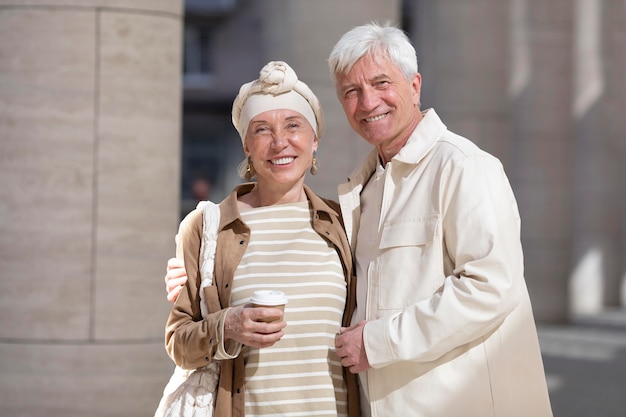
(451, 330)
(192, 341)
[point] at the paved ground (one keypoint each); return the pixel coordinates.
(585, 364)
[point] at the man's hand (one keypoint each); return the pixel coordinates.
(350, 349)
(248, 325)
(175, 278)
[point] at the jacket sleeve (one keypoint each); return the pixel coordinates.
(190, 340)
(482, 269)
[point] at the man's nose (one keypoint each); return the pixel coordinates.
(368, 99)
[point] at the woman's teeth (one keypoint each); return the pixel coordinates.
(282, 161)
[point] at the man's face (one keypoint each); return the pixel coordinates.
(380, 104)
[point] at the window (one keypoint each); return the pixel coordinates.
(197, 59)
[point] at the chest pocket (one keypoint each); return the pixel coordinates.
(420, 231)
(410, 266)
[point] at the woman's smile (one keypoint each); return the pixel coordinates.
(282, 161)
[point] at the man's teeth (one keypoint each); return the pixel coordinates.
(282, 161)
(375, 118)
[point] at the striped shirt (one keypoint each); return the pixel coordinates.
(301, 374)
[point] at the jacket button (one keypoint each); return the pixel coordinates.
(226, 286)
(206, 358)
(242, 242)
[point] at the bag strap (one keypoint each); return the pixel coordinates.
(210, 226)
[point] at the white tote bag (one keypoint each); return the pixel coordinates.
(192, 393)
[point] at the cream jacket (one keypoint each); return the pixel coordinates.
(451, 330)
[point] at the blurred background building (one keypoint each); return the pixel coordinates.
(115, 120)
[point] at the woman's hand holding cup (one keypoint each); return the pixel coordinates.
(258, 324)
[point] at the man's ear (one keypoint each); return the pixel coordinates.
(417, 88)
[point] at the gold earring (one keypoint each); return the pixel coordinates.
(249, 170)
(314, 165)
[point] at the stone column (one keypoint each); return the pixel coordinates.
(598, 118)
(543, 146)
(89, 186)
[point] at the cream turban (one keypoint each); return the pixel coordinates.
(278, 87)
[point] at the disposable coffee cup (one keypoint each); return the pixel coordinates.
(269, 299)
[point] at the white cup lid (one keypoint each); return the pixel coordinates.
(268, 297)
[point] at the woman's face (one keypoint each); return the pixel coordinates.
(280, 144)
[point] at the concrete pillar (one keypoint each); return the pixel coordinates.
(89, 180)
(540, 89)
(597, 111)
(617, 44)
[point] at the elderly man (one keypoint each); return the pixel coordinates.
(444, 325)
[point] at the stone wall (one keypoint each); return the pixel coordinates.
(89, 166)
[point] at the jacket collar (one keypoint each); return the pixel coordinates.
(425, 135)
(318, 204)
(229, 210)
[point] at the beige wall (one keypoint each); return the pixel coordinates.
(89, 178)
(598, 273)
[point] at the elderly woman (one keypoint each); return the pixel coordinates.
(274, 233)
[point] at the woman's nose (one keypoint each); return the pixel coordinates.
(279, 139)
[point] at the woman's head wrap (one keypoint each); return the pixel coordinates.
(278, 87)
